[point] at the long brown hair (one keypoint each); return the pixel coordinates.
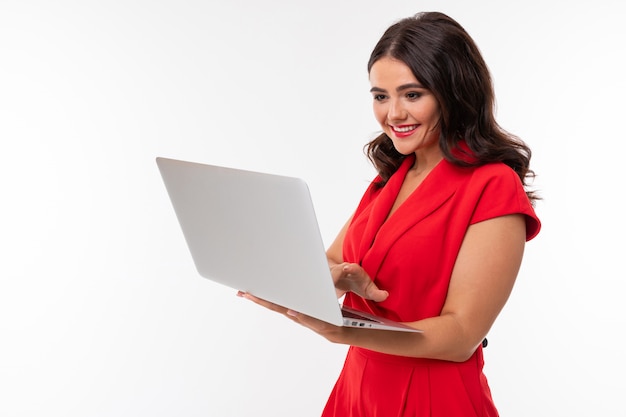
(446, 61)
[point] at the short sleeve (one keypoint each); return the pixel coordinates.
(503, 194)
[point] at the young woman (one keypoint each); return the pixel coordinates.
(438, 238)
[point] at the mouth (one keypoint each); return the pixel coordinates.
(403, 129)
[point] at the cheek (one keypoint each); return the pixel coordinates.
(380, 114)
(435, 112)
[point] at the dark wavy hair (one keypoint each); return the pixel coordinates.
(446, 61)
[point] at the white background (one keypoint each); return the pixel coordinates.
(101, 310)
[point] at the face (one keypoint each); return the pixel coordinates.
(407, 112)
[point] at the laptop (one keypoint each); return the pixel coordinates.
(258, 233)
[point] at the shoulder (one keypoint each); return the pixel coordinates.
(497, 170)
(499, 191)
(493, 176)
(476, 178)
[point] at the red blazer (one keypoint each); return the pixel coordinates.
(412, 253)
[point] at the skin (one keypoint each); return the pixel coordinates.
(488, 261)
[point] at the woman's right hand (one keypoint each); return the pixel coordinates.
(353, 278)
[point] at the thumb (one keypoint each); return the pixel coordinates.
(372, 292)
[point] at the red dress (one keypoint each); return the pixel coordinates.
(411, 255)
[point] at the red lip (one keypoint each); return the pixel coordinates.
(402, 135)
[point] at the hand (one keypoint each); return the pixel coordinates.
(270, 306)
(353, 278)
(331, 332)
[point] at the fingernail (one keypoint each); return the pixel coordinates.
(292, 313)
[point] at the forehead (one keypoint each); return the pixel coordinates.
(390, 72)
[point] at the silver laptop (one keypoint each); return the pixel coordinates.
(258, 233)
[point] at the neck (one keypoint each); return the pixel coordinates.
(426, 159)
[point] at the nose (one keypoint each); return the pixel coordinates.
(396, 111)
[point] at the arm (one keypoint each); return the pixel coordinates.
(350, 277)
(481, 282)
(335, 250)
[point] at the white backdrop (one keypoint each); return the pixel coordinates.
(101, 310)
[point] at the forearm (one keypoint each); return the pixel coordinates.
(443, 338)
(481, 282)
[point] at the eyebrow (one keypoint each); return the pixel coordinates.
(399, 88)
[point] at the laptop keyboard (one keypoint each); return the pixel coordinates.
(353, 315)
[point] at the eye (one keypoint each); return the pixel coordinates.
(379, 97)
(413, 95)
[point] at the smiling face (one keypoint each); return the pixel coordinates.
(407, 112)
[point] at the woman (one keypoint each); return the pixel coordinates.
(438, 238)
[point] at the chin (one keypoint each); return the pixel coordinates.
(404, 150)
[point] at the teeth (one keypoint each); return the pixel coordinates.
(404, 129)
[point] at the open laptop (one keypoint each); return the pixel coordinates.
(258, 233)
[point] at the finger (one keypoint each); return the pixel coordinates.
(362, 284)
(351, 277)
(372, 292)
(263, 303)
(352, 269)
(339, 271)
(314, 324)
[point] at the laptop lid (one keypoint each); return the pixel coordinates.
(253, 232)
(257, 233)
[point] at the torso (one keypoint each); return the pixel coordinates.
(411, 182)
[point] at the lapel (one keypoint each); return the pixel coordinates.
(381, 233)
